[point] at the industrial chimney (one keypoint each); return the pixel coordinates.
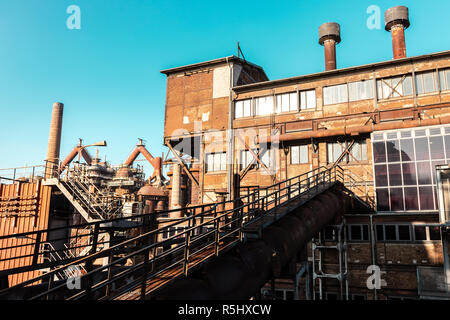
(329, 36)
(396, 21)
(54, 140)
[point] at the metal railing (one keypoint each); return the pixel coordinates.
(205, 234)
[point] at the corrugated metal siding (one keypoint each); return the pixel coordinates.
(32, 203)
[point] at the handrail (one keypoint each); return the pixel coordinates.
(239, 216)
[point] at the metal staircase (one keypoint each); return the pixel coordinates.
(91, 202)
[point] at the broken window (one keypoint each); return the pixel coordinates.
(243, 108)
(400, 86)
(426, 82)
(308, 99)
(216, 162)
(287, 102)
(299, 154)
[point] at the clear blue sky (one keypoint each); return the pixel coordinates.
(107, 73)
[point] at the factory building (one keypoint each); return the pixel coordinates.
(387, 124)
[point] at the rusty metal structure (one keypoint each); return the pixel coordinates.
(277, 189)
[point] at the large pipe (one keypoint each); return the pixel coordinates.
(329, 36)
(356, 130)
(396, 21)
(175, 201)
(240, 273)
(54, 140)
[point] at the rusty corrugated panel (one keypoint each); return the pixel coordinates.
(28, 210)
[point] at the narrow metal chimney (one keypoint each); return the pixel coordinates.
(396, 21)
(329, 36)
(54, 140)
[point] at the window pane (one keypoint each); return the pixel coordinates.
(411, 199)
(447, 79)
(239, 109)
(379, 230)
(422, 152)
(435, 233)
(397, 88)
(223, 161)
(365, 232)
(355, 232)
(293, 102)
(295, 154)
(407, 150)
(447, 146)
(382, 199)
(409, 173)
(419, 84)
(330, 152)
(426, 198)
(304, 154)
(379, 151)
(407, 86)
(355, 152)
(311, 99)
(437, 148)
(381, 175)
(403, 233)
(396, 196)
(217, 162)
(395, 175)
(393, 151)
(420, 233)
(390, 232)
(424, 172)
(337, 151)
(429, 82)
(247, 108)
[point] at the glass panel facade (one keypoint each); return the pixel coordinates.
(404, 167)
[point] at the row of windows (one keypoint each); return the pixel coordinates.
(387, 233)
(286, 102)
(387, 88)
(299, 154)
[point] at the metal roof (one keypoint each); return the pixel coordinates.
(268, 84)
(210, 63)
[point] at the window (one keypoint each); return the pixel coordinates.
(427, 233)
(358, 232)
(360, 90)
(393, 233)
(243, 108)
(308, 99)
(299, 154)
(329, 234)
(394, 87)
(444, 79)
(335, 94)
(358, 151)
(264, 106)
(426, 82)
(216, 162)
(404, 168)
(287, 102)
(267, 157)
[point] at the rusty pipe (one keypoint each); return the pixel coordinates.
(396, 21)
(78, 149)
(356, 130)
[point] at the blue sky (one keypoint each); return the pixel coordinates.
(107, 73)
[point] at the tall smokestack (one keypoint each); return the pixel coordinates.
(329, 36)
(54, 140)
(396, 21)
